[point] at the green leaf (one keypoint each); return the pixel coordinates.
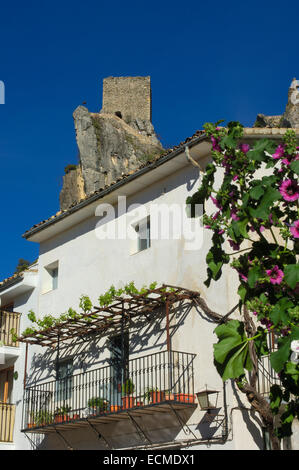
(275, 398)
(253, 275)
(258, 151)
(295, 166)
(260, 342)
(280, 311)
(280, 357)
(231, 353)
(291, 275)
(256, 192)
(263, 209)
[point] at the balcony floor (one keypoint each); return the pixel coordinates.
(109, 417)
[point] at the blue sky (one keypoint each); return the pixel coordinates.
(207, 61)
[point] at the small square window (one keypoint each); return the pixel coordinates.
(143, 230)
(50, 277)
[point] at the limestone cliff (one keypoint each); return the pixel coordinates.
(110, 146)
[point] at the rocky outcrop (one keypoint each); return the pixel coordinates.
(290, 118)
(291, 114)
(108, 148)
(73, 188)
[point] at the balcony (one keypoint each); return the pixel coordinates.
(9, 321)
(7, 420)
(149, 384)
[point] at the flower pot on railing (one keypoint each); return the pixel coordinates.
(128, 402)
(157, 396)
(154, 395)
(169, 396)
(114, 408)
(61, 414)
(97, 405)
(127, 390)
(185, 397)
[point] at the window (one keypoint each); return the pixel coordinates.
(50, 277)
(143, 234)
(64, 377)
(54, 275)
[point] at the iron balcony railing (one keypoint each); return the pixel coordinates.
(144, 381)
(9, 322)
(266, 376)
(7, 421)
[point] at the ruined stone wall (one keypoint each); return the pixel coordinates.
(131, 96)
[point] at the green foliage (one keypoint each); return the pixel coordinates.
(22, 265)
(62, 411)
(98, 402)
(128, 387)
(231, 353)
(248, 207)
(69, 168)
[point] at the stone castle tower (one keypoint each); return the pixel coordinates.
(114, 141)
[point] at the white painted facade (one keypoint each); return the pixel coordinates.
(87, 265)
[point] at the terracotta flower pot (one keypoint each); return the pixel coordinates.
(114, 408)
(185, 397)
(169, 396)
(128, 402)
(157, 396)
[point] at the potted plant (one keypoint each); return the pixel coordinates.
(40, 418)
(185, 397)
(97, 405)
(127, 390)
(169, 396)
(61, 414)
(154, 395)
(114, 408)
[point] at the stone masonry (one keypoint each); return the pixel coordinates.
(129, 96)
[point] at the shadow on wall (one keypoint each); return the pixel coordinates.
(250, 418)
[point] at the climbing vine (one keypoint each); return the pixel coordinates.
(86, 307)
(255, 230)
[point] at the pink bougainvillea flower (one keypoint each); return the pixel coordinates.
(295, 229)
(275, 274)
(289, 190)
(217, 204)
(235, 246)
(279, 152)
(215, 144)
(233, 214)
(235, 177)
(244, 148)
(285, 161)
(243, 277)
(220, 232)
(215, 216)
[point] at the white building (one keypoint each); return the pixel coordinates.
(168, 348)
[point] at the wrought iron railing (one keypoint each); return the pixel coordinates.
(9, 321)
(266, 376)
(7, 420)
(144, 381)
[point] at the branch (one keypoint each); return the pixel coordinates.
(215, 316)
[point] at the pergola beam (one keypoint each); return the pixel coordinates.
(123, 309)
